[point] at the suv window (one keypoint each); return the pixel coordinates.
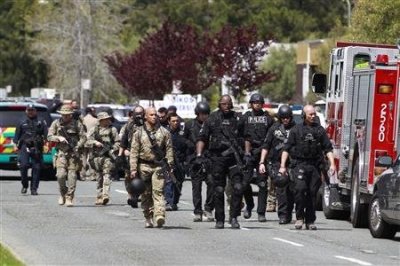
(11, 117)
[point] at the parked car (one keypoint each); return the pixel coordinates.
(119, 112)
(11, 114)
(384, 208)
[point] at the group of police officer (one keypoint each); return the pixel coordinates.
(226, 150)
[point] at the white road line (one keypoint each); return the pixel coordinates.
(121, 191)
(244, 228)
(354, 260)
(289, 242)
(184, 202)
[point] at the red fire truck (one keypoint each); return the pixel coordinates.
(362, 112)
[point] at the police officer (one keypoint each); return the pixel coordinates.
(151, 159)
(256, 125)
(272, 150)
(173, 186)
(70, 137)
(221, 133)
(126, 134)
(30, 136)
(306, 146)
(104, 140)
(199, 174)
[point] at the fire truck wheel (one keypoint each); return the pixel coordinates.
(329, 212)
(358, 211)
(377, 226)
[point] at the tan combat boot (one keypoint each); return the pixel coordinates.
(105, 200)
(271, 207)
(99, 201)
(61, 200)
(160, 221)
(68, 202)
(299, 224)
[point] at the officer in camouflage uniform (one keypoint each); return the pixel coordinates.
(126, 134)
(256, 125)
(70, 137)
(307, 144)
(104, 140)
(152, 159)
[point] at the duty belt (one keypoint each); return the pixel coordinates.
(146, 161)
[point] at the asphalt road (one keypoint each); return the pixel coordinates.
(39, 232)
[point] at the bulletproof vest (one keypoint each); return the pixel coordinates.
(224, 129)
(32, 131)
(309, 145)
(280, 138)
(105, 136)
(257, 126)
(194, 129)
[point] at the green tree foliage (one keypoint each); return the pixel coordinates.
(73, 37)
(18, 68)
(375, 21)
(282, 63)
(282, 20)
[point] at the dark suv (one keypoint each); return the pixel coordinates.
(11, 114)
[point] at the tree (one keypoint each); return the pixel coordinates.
(18, 67)
(72, 37)
(173, 53)
(282, 63)
(375, 21)
(236, 53)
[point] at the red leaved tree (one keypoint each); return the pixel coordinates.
(236, 54)
(173, 53)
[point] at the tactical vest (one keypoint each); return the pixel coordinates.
(32, 133)
(309, 146)
(257, 127)
(220, 127)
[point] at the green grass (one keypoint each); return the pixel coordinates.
(7, 259)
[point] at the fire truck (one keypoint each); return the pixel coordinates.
(362, 113)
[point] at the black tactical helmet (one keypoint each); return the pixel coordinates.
(256, 97)
(203, 108)
(285, 111)
(280, 180)
(136, 186)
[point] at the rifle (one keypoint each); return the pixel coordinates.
(71, 142)
(160, 159)
(107, 150)
(234, 148)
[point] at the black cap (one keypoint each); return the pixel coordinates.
(30, 106)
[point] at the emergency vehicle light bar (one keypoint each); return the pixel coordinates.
(346, 44)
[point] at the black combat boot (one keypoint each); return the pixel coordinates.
(235, 224)
(219, 225)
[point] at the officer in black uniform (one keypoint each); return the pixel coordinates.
(201, 173)
(173, 186)
(221, 133)
(30, 136)
(256, 125)
(272, 149)
(306, 146)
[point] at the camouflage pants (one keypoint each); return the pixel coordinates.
(103, 169)
(153, 201)
(271, 200)
(66, 165)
